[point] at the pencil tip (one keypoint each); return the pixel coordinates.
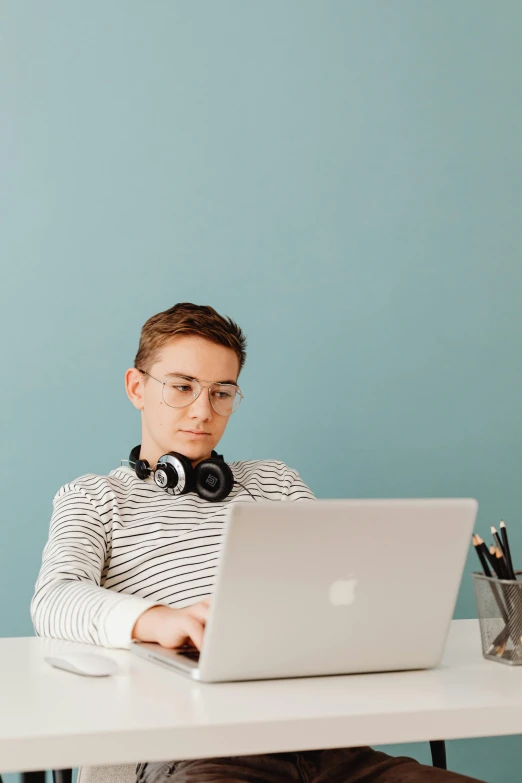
(502, 523)
(478, 539)
(493, 529)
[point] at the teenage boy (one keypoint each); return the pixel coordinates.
(129, 558)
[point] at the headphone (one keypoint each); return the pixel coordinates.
(212, 479)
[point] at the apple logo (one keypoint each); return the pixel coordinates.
(342, 592)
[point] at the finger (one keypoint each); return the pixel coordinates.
(194, 631)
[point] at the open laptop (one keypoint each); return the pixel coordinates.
(325, 587)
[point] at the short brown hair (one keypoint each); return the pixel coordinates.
(186, 318)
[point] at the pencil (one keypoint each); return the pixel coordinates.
(512, 597)
(509, 612)
(488, 554)
(502, 567)
(498, 542)
(507, 549)
(478, 544)
(495, 564)
(513, 600)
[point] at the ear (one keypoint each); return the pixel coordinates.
(134, 386)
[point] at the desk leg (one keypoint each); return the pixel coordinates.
(438, 753)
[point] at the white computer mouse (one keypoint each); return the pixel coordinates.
(88, 664)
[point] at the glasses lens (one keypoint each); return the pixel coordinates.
(225, 399)
(179, 392)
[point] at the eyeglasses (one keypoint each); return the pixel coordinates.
(179, 391)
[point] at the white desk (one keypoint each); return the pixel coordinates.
(52, 719)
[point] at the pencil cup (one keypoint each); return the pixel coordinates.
(499, 605)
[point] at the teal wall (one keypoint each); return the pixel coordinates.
(341, 178)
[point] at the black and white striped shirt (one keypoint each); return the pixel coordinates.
(147, 546)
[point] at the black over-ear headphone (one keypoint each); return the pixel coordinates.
(212, 479)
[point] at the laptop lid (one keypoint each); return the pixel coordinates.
(333, 587)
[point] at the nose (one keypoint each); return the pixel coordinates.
(201, 407)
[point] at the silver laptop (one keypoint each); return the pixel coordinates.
(325, 587)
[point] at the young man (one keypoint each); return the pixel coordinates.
(127, 559)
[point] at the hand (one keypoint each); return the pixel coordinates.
(171, 627)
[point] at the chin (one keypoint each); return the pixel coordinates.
(194, 451)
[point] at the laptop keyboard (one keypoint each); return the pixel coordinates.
(192, 654)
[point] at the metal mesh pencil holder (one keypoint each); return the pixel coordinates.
(499, 605)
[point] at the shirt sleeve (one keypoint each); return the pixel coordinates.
(294, 487)
(68, 600)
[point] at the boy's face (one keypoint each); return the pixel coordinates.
(167, 429)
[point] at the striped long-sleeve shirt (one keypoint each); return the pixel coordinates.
(118, 545)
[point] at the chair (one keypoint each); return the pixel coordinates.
(121, 773)
(126, 773)
(115, 773)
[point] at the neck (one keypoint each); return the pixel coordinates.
(152, 456)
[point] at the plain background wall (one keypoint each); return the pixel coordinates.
(341, 178)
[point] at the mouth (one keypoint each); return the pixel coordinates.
(195, 434)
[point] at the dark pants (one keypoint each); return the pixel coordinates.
(339, 765)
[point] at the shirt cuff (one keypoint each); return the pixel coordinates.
(122, 617)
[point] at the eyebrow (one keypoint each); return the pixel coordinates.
(190, 378)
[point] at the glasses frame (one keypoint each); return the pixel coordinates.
(208, 385)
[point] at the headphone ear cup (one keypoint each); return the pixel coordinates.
(174, 471)
(142, 468)
(188, 471)
(213, 479)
